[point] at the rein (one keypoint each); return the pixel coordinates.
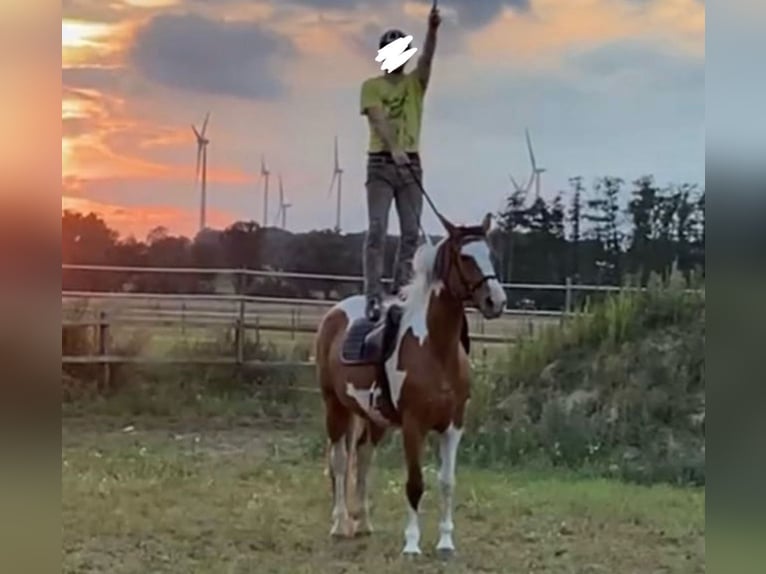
(440, 217)
(471, 288)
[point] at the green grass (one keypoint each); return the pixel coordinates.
(195, 497)
(619, 391)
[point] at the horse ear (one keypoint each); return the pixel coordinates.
(487, 223)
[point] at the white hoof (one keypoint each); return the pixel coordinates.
(445, 544)
(411, 550)
(412, 535)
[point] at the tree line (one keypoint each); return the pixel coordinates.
(606, 234)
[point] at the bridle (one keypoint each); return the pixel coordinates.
(453, 260)
(467, 234)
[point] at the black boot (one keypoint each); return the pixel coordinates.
(373, 309)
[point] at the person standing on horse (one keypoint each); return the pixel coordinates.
(393, 104)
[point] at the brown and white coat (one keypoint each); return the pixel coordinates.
(428, 376)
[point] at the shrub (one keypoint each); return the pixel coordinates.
(617, 387)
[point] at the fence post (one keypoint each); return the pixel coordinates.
(239, 336)
(103, 347)
(567, 300)
(292, 323)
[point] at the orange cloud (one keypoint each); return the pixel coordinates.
(94, 43)
(86, 157)
(139, 221)
(108, 143)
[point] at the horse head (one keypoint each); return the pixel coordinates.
(464, 265)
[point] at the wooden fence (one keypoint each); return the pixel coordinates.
(241, 325)
(235, 313)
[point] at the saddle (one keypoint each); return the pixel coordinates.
(372, 342)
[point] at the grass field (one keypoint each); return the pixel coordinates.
(158, 496)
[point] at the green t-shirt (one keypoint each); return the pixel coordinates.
(402, 104)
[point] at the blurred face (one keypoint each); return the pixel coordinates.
(392, 40)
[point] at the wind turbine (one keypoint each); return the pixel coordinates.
(337, 175)
(265, 174)
(283, 207)
(202, 142)
(516, 185)
(536, 171)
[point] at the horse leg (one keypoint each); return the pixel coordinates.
(338, 419)
(449, 441)
(365, 453)
(413, 450)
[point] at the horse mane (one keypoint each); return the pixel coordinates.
(423, 281)
(423, 263)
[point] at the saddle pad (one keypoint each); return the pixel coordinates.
(353, 346)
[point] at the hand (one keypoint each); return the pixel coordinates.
(400, 158)
(434, 19)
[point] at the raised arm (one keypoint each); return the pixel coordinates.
(423, 69)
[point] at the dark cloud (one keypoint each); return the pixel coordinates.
(450, 40)
(188, 52)
(318, 4)
(338, 4)
(471, 13)
(479, 13)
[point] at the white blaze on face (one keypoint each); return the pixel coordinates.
(479, 251)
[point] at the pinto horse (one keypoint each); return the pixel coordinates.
(420, 381)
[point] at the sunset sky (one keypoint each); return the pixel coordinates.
(607, 87)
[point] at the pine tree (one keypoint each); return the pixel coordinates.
(512, 220)
(640, 210)
(575, 220)
(604, 215)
